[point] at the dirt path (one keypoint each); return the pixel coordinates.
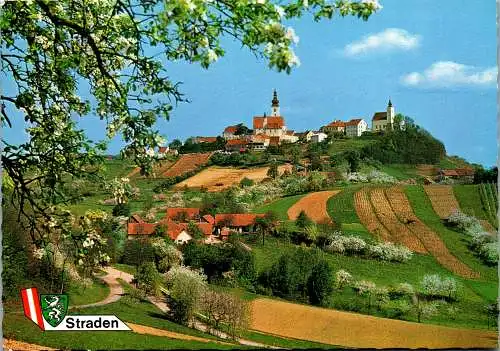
(9, 344)
(314, 205)
(115, 288)
(359, 331)
(142, 329)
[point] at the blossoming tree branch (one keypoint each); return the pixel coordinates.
(115, 51)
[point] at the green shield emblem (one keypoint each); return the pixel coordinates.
(54, 308)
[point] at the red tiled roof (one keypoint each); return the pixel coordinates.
(162, 149)
(174, 212)
(337, 123)
(271, 122)
(236, 142)
(379, 116)
(140, 228)
(136, 218)
(236, 219)
(465, 171)
(353, 122)
(206, 139)
(206, 228)
(209, 218)
(231, 129)
(290, 132)
(449, 172)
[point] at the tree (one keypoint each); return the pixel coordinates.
(148, 279)
(273, 170)
(185, 288)
(242, 129)
(353, 157)
(175, 144)
(194, 231)
(303, 220)
(117, 51)
(266, 224)
(319, 284)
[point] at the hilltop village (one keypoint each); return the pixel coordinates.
(271, 130)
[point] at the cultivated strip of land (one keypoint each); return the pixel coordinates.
(442, 199)
(431, 241)
(314, 205)
(368, 218)
(359, 331)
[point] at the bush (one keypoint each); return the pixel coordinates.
(186, 288)
(390, 252)
(401, 290)
(319, 284)
(245, 182)
(346, 244)
(122, 209)
(148, 279)
(138, 251)
(435, 286)
(303, 220)
(342, 278)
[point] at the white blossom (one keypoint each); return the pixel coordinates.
(290, 34)
(38, 253)
(212, 55)
(279, 10)
(374, 3)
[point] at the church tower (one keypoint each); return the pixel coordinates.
(275, 107)
(390, 112)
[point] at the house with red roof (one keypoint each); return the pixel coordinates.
(336, 126)
(463, 175)
(235, 222)
(229, 132)
(355, 127)
(202, 139)
(182, 214)
(236, 145)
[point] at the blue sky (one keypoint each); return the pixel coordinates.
(435, 59)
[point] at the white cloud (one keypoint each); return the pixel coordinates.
(444, 74)
(390, 39)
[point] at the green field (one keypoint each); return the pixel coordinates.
(80, 295)
(475, 295)
(342, 145)
(280, 207)
(455, 242)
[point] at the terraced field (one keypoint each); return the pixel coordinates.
(442, 199)
(399, 232)
(368, 217)
(431, 241)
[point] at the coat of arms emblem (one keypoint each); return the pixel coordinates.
(54, 308)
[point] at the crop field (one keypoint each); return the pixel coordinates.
(187, 163)
(399, 232)
(431, 241)
(359, 331)
(489, 199)
(427, 170)
(368, 217)
(217, 178)
(442, 199)
(314, 205)
(280, 206)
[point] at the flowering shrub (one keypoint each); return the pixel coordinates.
(346, 244)
(373, 176)
(435, 286)
(390, 252)
(365, 287)
(342, 278)
(482, 243)
(402, 289)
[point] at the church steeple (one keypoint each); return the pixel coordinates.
(390, 103)
(390, 112)
(275, 107)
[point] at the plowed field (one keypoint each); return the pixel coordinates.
(187, 163)
(314, 205)
(359, 331)
(218, 178)
(431, 241)
(442, 199)
(368, 218)
(399, 232)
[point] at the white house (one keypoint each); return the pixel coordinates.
(318, 137)
(355, 127)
